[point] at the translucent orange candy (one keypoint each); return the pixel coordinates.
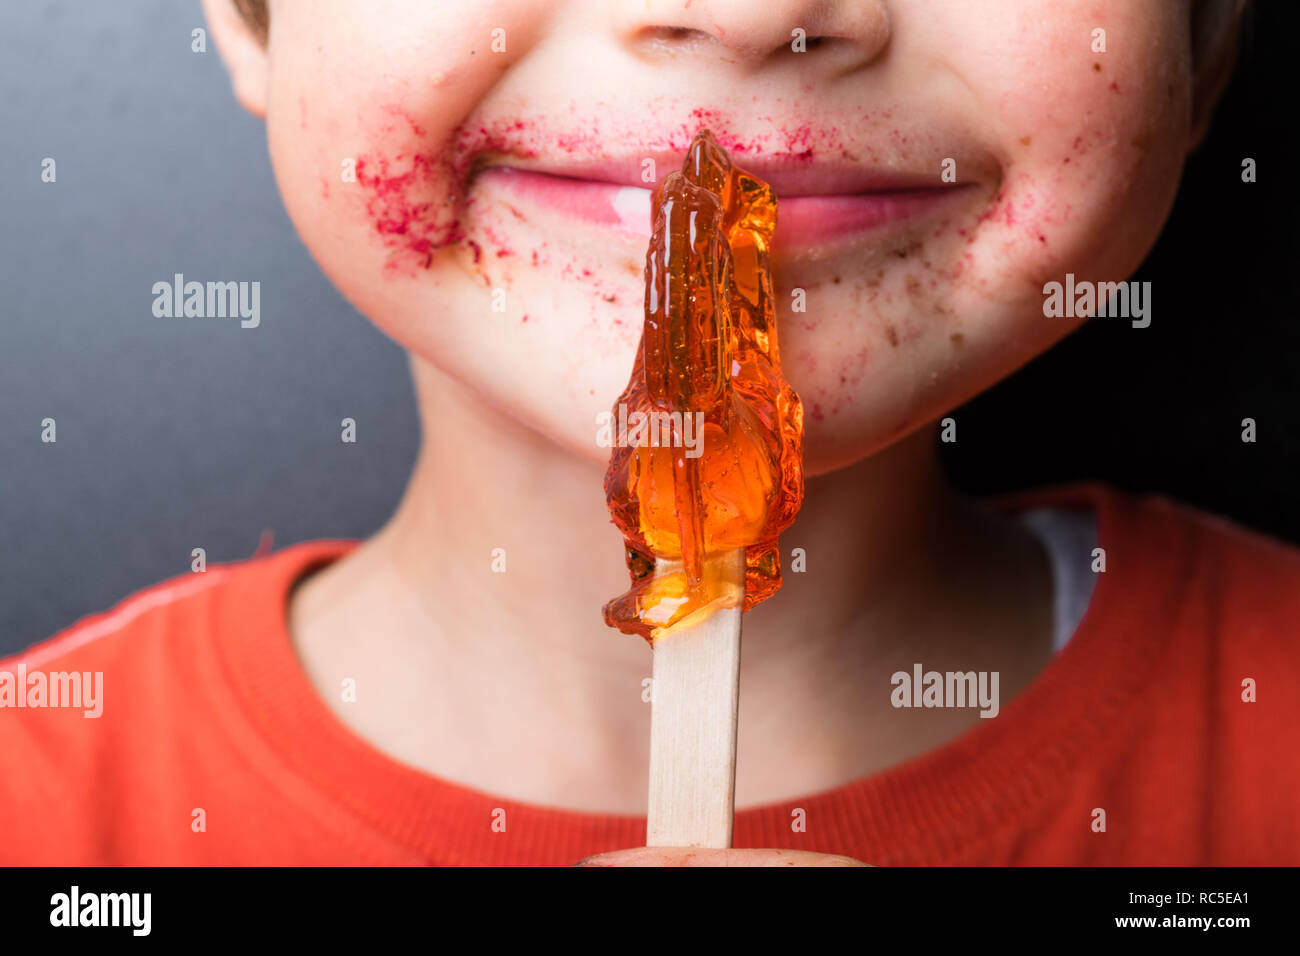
(713, 462)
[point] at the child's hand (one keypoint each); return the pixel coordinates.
(696, 856)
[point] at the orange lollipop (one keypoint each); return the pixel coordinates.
(708, 457)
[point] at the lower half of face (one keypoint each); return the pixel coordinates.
(476, 178)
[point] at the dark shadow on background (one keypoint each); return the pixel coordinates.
(1160, 409)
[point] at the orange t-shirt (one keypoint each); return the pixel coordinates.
(208, 716)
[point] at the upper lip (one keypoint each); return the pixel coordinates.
(789, 174)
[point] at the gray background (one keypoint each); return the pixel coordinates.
(172, 433)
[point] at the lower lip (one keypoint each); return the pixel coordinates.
(802, 221)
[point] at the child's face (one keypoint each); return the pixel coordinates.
(1066, 160)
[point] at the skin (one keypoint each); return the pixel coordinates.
(1072, 172)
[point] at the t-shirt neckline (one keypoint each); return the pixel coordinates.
(922, 810)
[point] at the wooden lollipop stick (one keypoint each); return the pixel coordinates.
(693, 727)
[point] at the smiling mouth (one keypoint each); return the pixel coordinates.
(805, 219)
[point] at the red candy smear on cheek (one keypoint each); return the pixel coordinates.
(400, 205)
(414, 196)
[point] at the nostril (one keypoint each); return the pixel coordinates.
(826, 49)
(815, 43)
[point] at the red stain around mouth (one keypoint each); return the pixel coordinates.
(798, 142)
(415, 190)
(408, 224)
(415, 198)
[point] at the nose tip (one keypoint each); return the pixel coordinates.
(847, 35)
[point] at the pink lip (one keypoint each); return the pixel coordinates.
(815, 214)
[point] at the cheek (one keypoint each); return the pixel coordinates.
(368, 129)
(1093, 149)
(371, 187)
(1089, 165)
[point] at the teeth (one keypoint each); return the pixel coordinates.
(633, 208)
